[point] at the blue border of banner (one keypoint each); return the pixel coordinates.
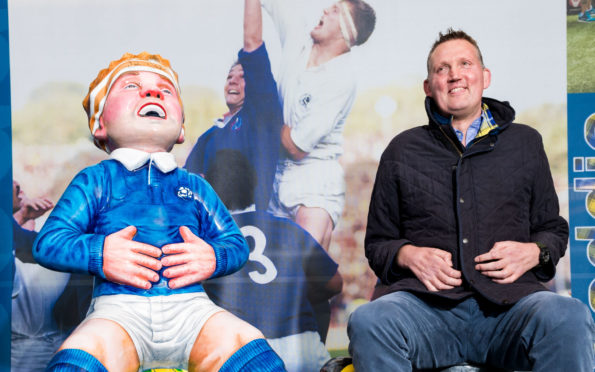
(581, 195)
(6, 257)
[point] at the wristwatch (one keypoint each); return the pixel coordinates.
(544, 255)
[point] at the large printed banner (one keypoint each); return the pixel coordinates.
(57, 48)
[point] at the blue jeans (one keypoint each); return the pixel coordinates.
(401, 331)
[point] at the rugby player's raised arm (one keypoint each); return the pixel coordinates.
(252, 25)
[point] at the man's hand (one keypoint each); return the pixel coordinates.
(189, 262)
(128, 262)
(36, 207)
(507, 261)
(31, 209)
(432, 266)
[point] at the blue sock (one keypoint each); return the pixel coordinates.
(254, 356)
(74, 360)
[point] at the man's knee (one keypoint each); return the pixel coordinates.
(379, 335)
(360, 320)
(560, 316)
(372, 318)
(575, 318)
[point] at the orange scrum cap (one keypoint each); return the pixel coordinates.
(100, 87)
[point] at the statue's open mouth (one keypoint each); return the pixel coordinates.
(152, 110)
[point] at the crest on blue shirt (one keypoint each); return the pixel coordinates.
(305, 99)
(236, 123)
(185, 193)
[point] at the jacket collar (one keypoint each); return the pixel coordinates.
(502, 113)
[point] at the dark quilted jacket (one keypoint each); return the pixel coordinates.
(430, 191)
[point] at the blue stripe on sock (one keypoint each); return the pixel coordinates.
(74, 360)
(254, 356)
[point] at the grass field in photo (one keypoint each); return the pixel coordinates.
(581, 55)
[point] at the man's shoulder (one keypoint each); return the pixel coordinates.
(209, 133)
(341, 71)
(257, 68)
(523, 132)
(408, 137)
(194, 161)
(413, 132)
(258, 54)
(524, 129)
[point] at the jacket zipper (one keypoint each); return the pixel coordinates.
(454, 144)
(451, 142)
(460, 233)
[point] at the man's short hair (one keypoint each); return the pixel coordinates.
(364, 18)
(452, 34)
(233, 178)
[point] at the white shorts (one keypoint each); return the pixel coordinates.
(302, 352)
(162, 328)
(318, 183)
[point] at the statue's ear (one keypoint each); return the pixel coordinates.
(100, 134)
(181, 137)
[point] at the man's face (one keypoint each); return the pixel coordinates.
(234, 88)
(457, 79)
(17, 196)
(142, 111)
(328, 27)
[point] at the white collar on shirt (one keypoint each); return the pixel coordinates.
(222, 122)
(133, 159)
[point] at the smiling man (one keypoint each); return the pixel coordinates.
(463, 228)
(150, 233)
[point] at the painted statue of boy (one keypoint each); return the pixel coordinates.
(150, 232)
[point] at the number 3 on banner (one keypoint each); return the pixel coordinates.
(260, 241)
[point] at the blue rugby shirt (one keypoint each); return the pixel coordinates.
(107, 197)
